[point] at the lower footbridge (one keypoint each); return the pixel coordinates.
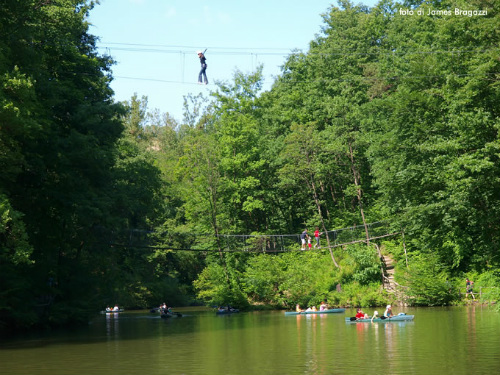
(262, 243)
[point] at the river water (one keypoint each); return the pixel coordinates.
(457, 340)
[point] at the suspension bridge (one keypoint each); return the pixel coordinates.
(252, 243)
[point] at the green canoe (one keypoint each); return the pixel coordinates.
(329, 311)
(395, 318)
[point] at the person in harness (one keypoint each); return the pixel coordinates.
(203, 74)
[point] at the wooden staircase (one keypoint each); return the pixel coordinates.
(388, 274)
(389, 284)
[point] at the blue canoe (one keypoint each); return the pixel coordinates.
(227, 311)
(112, 311)
(395, 318)
(329, 311)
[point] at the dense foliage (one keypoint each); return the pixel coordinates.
(69, 178)
(388, 116)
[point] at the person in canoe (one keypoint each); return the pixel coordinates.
(227, 308)
(388, 311)
(323, 306)
(164, 309)
(298, 309)
(361, 315)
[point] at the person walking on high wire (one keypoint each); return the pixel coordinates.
(203, 70)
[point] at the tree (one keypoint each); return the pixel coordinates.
(242, 165)
(434, 154)
(15, 265)
(60, 125)
(303, 164)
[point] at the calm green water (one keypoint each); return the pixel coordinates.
(454, 341)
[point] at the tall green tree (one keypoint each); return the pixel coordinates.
(59, 126)
(436, 149)
(242, 165)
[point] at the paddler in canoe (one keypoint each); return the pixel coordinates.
(361, 315)
(388, 311)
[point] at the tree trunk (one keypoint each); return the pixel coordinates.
(318, 205)
(356, 175)
(212, 190)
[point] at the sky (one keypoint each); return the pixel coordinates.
(154, 42)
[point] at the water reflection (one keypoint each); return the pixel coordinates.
(471, 351)
(112, 325)
(315, 340)
(460, 341)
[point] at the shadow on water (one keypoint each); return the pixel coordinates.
(133, 325)
(130, 325)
